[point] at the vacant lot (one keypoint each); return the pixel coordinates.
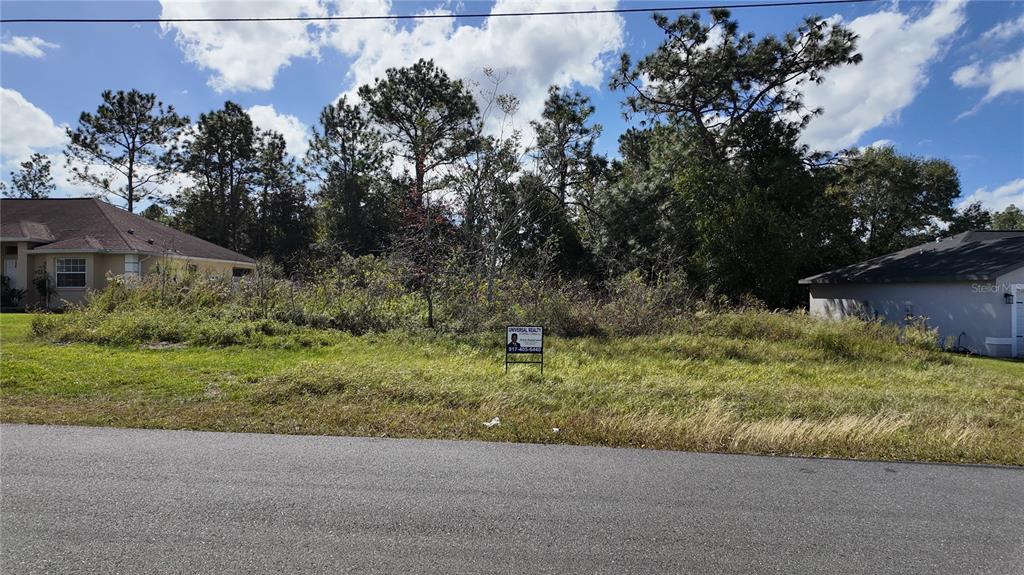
(753, 383)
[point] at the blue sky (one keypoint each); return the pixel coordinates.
(938, 79)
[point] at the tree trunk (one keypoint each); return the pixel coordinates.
(430, 306)
(492, 264)
(420, 177)
(130, 187)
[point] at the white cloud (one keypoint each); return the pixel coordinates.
(1005, 30)
(31, 46)
(243, 55)
(1001, 77)
(533, 53)
(1011, 192)
(24, 128)
(881, 143)
(296, 134)
(897, 51)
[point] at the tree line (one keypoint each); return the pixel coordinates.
(712, 181)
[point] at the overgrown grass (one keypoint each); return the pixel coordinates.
(751, 382)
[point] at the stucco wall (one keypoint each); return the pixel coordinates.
(975, 309)
(65, 294)
(106, 264)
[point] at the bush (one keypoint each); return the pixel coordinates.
(9, 295)
(635, 307)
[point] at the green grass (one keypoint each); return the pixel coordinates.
(752, 383)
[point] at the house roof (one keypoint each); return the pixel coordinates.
(969, 256)
(29, 231)
(91, 225)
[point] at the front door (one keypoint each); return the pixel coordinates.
(11, 270)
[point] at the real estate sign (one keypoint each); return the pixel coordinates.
(524, 339)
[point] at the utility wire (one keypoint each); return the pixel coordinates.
(422, 16)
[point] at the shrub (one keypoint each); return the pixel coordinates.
(9, 295)
(636, 307)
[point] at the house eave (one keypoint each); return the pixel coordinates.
(44, 251)
(811, 281)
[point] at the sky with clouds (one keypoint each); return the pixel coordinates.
(938, 79)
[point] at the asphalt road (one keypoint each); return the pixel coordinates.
(89, 500)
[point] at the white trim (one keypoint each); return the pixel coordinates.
(84, 272)
(132, 259)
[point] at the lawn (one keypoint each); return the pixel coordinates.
(810, 392)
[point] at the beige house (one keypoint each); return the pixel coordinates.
(969, 287)
(77, 243)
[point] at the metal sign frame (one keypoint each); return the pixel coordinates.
(507, 354)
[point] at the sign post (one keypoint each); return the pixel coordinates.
(524, 339)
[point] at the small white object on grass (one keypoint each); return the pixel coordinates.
(492, 422)
(555, 430)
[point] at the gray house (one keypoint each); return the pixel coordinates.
(970, 287)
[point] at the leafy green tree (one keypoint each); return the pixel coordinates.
(426, 114)
(282, 223)
(970, 217)
(565, 145)
(127, 148)
(711, 78)
(759, 224)
(1012, 218)
(570, 172)
(33, 181)
(545, 242)
(349, 163)
(721, 158)
(644, 223)
(891, 199)
(157, 213)
(220, 159)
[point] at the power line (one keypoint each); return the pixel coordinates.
(422, 16)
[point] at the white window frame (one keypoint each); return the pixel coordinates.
(132, 259)
(57, 273)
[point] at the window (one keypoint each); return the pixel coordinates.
(70, 272)
(240, 272)
(131, 265)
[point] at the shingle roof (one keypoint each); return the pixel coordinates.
(31, 231)
(91, 225)
(970, 256)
